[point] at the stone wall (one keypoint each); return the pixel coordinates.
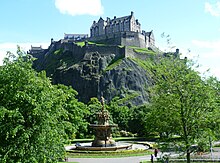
(106, 50)
(133, 39)
(78, 52)
(123, 38)
(68, 48)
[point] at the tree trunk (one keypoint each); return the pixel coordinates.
(188, 157)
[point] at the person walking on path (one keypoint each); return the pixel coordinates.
(151, 158)
(155, 152)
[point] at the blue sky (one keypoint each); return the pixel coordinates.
(191, 24)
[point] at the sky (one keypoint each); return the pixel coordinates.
(192, 25)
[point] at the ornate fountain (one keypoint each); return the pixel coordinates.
(103, 136)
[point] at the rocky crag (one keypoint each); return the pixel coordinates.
(95, 70)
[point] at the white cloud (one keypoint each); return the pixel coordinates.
(213, 9)
(209, 55)
(12, 47)
(80, 7)
(207, 44)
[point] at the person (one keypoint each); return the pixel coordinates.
(155, 152)
(152, 158)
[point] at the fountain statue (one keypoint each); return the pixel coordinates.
(103, 136)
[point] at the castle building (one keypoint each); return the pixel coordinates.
(75, 37)
(121, 31)
(35, 50)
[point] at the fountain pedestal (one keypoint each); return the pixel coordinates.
(103, 136)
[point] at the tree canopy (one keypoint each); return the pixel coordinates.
(34, 114)
(182, 102)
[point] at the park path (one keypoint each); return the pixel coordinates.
(135, 159)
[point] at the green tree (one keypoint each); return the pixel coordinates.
(182, 102)
(33, 113)
(214, 121)
(121, 114)
(138, 122)
(93, 106)
(75, 123)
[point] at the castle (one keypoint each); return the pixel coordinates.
(124, 31)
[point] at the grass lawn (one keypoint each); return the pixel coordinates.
(107, 154)
(143, 50)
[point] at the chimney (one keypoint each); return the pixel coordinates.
(114, 17)
(132, 13)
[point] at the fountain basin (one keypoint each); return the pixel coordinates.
(113, 148)
(121, 145)
(103, 137)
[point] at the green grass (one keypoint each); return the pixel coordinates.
(142, 50)
(121, 46)
(145, 64)
(108, 154)
(58, 51)
(80, 43)
(113, 64)
(83, 43)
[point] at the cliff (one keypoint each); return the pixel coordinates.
(95, 70)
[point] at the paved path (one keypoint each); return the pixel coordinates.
(136, 159)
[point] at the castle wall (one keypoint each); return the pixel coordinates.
(122, 38)
(112, 39)
(106, 50)
(73, 50)
(134, 39)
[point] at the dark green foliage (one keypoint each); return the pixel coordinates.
(139, 121)
(120, 114)
(34, 114)
(93, 107)
(75, 123)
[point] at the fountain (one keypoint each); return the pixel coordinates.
(103, 138)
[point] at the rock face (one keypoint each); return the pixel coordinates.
(95, 73)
